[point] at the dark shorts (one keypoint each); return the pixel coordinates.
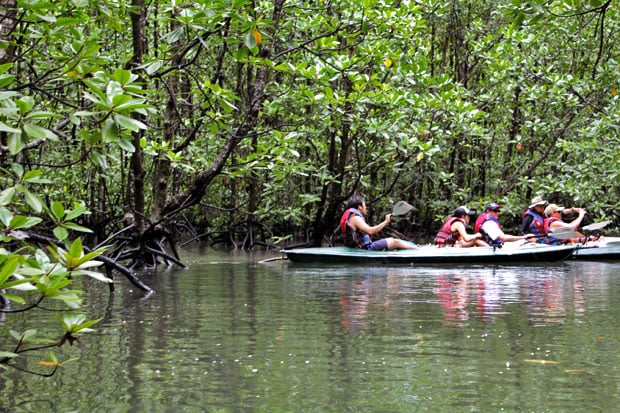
(380, 245)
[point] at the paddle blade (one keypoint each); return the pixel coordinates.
(564, 233)
(401, 208)
(596, 225)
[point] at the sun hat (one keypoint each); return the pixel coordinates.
(537, 200)
(551, 208)
(493, 207)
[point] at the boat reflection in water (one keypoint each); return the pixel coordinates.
(480, 293)
(463, 295)
(484, 295)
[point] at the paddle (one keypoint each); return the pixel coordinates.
(401, 208)
(561, 233)
(596, 225)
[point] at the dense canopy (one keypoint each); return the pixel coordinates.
(251, 122)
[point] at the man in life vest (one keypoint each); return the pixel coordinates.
(553, 222)
(356, 232)
(453, 232)
(489, 226)
(533, 219)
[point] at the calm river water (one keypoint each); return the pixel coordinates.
(230, 334)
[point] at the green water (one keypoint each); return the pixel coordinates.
(232, 335)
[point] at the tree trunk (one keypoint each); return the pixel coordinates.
(8, 22)
(135, 206)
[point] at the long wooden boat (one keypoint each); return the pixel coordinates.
(606, 248)
(511, 253)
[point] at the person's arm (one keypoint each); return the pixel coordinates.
(460, 228)
(573, 225)
(360, 224)
(577, 221)
(525, 225)
(509, 238)
(494, 232)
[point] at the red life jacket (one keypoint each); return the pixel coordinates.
(547, 225)
(446, 235)
(484, 217)
(479, 221)
(350, 236)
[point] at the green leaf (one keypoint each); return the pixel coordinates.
(18, 169)
(30, 176)
(109, 132)
(75, 227)
(8, 354)
(5, 67)
(8, 268)
(25, 104)
(58, 211)
(6, 196)
(126, 145)
(20, 221)
(37, 132)
(6, 128)
(13, 298)
(6, 80)
(129, 123)
(34, 202)
(122, 76)
(76, 248)
(41, 115)
(250, 41)
(79, 210)
(93, 274)
(5, 217)
(15, 143)
(61, 233)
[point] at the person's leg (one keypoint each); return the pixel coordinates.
(399, 244)
(380, 245)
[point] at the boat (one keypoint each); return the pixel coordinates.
(605, 248)
(514, 252)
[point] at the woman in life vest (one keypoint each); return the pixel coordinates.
(453, 232)
(533, 219)
(356, 232)
(553, 222)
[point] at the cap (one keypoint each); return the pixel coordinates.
(551, 208)
(461, 211)
(493, 207)
(537, 200)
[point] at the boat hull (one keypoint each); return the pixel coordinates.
(528, 253)
(607, 248)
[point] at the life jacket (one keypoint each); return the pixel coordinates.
(537, 226)
(479, 221)
(350, 236)
(446, 235)
(547, 227)
(484, 217)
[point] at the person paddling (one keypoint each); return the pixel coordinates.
(554, 222)
(356, 232)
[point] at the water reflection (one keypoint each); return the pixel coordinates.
(231, 335)
(482, 294)
(361, 296)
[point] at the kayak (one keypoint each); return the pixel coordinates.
(429, 254)
(605, 248)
